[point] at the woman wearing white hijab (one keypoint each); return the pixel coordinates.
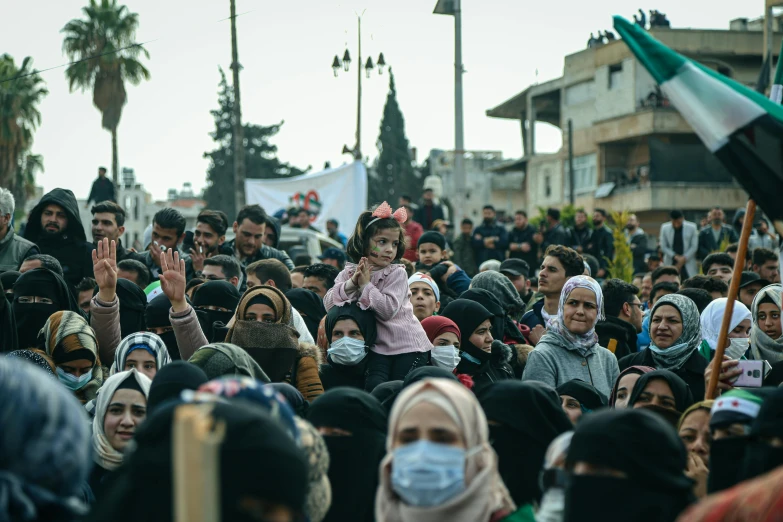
(739, 329)
(569, 349)
(439, 466)
(121, 406)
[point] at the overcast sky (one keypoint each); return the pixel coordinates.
(286, 49)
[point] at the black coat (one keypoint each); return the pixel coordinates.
(524, 235)
(692, 372)
(580, 238)
(493, 230)
(70, 247)
(495, 370)
(102, 190)
(556, 235)
(265, 252)
(617, 336)
(707, 243)
(426, 215)
(601, 246)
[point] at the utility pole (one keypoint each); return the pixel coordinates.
(357, 151)
(239, 139)
(572, 194)
(454, 8)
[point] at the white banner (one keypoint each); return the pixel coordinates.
(339, 193)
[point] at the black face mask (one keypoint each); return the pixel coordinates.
(760, 458)
(171, 345)
(30, 318)
(208, 318)
(725, 455)
(629, 501)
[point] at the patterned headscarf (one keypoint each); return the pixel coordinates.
(673, 357)
(44, 446)
(582, 342)
(319, 494)
(68, 337)
(34, 357)
(147, 341)
(503, 289)
(254, 391)
(762, 345)
(103, 452)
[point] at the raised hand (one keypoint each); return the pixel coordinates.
(172, 279)
(104, 267)
(363, 273)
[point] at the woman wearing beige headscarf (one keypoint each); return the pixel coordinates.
(439, 464)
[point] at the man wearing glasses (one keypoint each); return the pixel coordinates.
(623, 321)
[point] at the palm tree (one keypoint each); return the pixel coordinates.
(105, 56)
(21, 91)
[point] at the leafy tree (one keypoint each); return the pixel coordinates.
(105, 54)
(394, 173)
(567, 217)
(24, 188)
(261, 161)
(621, 266)
(21, 91)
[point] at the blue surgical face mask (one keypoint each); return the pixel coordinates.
(426, 474)
(347, 351)
(73, 382)
(445, 357)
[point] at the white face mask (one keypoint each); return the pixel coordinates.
(445, 357)
(738, 347)
(347, 351)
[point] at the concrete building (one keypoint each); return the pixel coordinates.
(501, 189)
(632, 150)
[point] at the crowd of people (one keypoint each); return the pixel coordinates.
(499, 375)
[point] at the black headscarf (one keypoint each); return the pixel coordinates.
(468, 315)
(31, 317)
(639, 444)
(8, 339)
(582, 391)
(156, 315)
(682, 392)
(761, 457)
(215, 293)
(293, 397)
(365, 319)
(493, 306)
(354, 460)
(387, 393)
(133, 302)
(310, 306)
(8, 279)
(251, 436)
(529, 417)
(171, 380)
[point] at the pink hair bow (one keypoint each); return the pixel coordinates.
(384, 211)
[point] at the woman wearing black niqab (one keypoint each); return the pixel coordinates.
(215, 302)
(133, 302)
(8, 338)
(524, 418)
(37, 295)
(353, 425)
(764, 452)
(633, 456)
(310, 306)
(156, 316)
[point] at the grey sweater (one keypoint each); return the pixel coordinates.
(555, 363)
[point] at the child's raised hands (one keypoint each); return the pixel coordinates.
(363, 273)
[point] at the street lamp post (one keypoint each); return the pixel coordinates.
(454, 8)
(368, 67)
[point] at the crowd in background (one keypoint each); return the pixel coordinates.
(409, 375)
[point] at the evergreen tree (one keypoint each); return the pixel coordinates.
(261, 161)
(394, 173)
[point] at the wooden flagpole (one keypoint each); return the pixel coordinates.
(739, 266)
(196, 450)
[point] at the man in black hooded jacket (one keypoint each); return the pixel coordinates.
(249, 244)
(55, 226)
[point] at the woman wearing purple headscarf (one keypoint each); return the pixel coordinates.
(569, 349)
